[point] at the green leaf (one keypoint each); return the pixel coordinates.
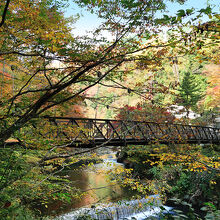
(181, 13)
(189, 11)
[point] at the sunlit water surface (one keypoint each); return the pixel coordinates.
(101, 192)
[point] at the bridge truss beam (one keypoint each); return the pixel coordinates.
(87, 132)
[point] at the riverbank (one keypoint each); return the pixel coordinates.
(186, 176)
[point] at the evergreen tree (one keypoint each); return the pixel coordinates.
(190, 91)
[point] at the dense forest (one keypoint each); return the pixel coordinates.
(156, 67)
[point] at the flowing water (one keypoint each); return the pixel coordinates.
(97, 203)
(139, 209)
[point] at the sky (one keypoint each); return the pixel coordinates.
(90, 21)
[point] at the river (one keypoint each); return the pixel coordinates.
(101, 193)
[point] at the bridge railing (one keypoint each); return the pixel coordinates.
(118, 132)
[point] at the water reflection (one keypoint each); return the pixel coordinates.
(95, 182)
(97, 186)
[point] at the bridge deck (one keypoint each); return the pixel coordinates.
(84, 132)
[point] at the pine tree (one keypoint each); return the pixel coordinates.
(190, 91)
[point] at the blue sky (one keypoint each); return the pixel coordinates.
(89, 21)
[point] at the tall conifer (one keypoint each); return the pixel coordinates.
(190, 91)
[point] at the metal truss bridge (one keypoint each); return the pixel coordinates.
(88, 132)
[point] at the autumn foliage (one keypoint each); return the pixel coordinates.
(146, 112)
(213, 91)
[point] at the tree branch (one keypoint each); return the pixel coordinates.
(81, 91)
(45, 158)
(20, 91)
(4, 13)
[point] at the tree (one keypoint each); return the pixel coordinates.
(189, 91)
(36, 43)
(213, 90)
(145, 112)
(40, 42)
